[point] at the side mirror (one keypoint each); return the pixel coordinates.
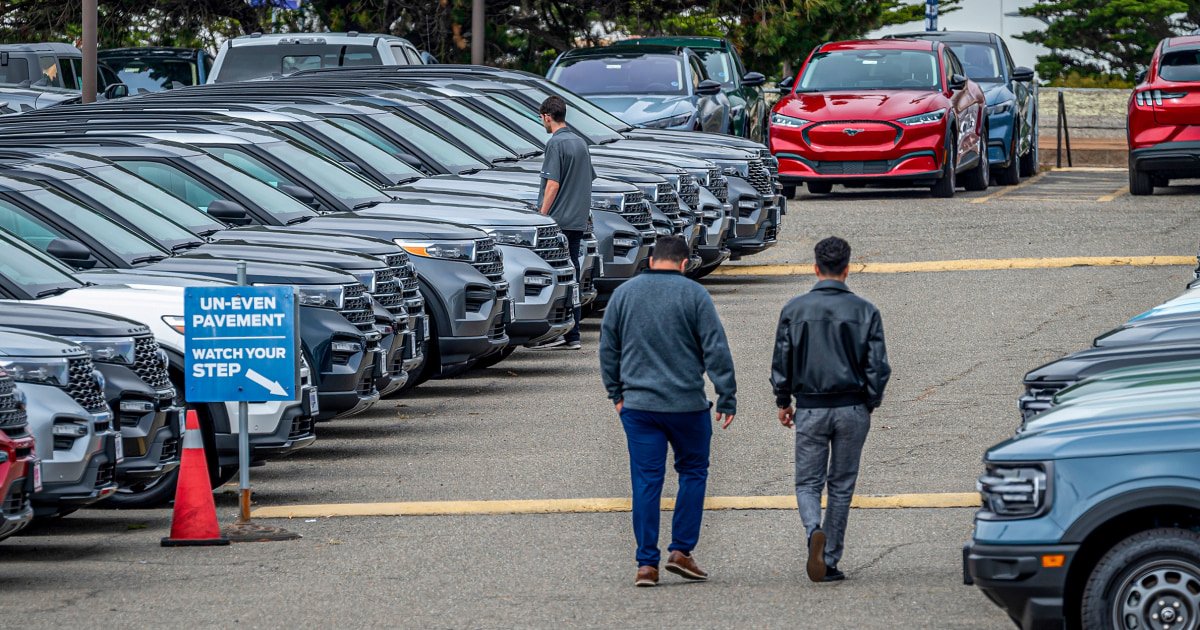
(753, 79)
(229, 212)
(71, 252)
(1140, 77)
(957, 82)
(302, 194)
(708, 87)
(115, 91)
(1022, 74)
(786, 84)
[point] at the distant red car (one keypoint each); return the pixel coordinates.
(882, 112)
(19, 470)
(1163, 127)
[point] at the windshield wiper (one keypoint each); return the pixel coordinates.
(366, 204)
(609, 141)
(408, 180)
(147, 259)
(301, 219)
(187, 245)
(526, 156)
(49, 292)
(469, 171)
(504, 160)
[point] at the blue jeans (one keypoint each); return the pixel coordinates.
(648, 433)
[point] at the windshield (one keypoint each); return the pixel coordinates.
(483, 147)
(241, 63)
(33, 272)
(329, 176)
(358, 145)
(515, 118)
(512, 140)
(157, 199)
(870, 70)
(1183, 65)
(154, 75)
(718, 64)
(448, 157)
(110, 234)
(579, 119)
(622, 74)
(147, 221)
(980, 61)
(282, 206)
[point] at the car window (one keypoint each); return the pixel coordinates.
(1008, 60)
(33, 272)
(512, 140)
(242, 63)
(522, 119)
(452, 128)
(358, 142)
(624, 74)
(15, 72)
(72, 70)
(592, 129)
(156, 198)
(697, 73)
(328, 176)
(870, 70)
(30, 229)
(51, 74)
(130, 210)
(979, 62)
(113, 235)
(718, 66)
(175, 181)
(153, 75)
(448, 156)
(1182, 65)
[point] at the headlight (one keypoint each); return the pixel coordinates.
(626, 242)
(780, 120)
(367, 278)
(176, 322)
(610, 202)
(927, 118)
(1000, 108)
(39, 370)
(670, 121)
(519, 236)
(447, 250)
(734, 169)
(663, 230)
(108, 349)
(1013, 490)
(322, 296)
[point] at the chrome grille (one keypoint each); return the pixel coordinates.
(689, 191)
(357, 307)
(636, 210)
(716, 184)
(148, 363)
(488, 260)
(666, 199)
(389, 291)
(13, 420)
(410, 288)
(83, 386)
(769, 161)
(552, 246)
(760, 178)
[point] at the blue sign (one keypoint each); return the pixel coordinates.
(240, 344)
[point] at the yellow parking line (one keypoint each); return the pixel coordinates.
(593, 506)
(1089, 169)
(1113, 195)
(1004, 190)
(978, 264)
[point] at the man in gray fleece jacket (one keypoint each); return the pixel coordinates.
(660, 335)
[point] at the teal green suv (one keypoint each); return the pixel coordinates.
(748, 109)
(1091, 512)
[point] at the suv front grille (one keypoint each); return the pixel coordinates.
(488, 261)
(769, 161)
(106, 474)
(302, 427)
(666, 200)
(717, 184)
(760, 178)
(83, 386)
(389, 292)
(17, 499)
(13, 420)
(170, 451)
(410, 288)
(357, 307)
(689, 191)
(552, 247)
(148, 364)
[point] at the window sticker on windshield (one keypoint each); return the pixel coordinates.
(674, 84)
(612, 66)
(869, 62)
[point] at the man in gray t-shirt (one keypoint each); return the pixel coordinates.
(566, 193)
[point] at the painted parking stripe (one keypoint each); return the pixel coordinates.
(594, 506)
(1113, 195)
(976, 264)
(1005, 190)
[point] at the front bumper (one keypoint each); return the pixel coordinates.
(1000, 138)
(1012, 576)
(16, 511)
(1170, 159)
(96, 482)
(538, 306)
(469, 312)
(294, 431)
(150, 423)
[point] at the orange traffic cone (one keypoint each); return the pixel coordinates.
(194, 521)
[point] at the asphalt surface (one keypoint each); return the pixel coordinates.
(538, 426)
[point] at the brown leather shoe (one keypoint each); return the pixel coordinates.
(816, 556)
(646, 576)
(685, 566)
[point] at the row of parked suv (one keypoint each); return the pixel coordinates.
(1091, 511)
(397, 200)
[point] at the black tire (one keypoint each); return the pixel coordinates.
(142, 496)
(1128, 583)
(492, 360)
(789, 192)
(944, 188)
(978, 178)
(1140, 182)
(703, 271)
(1010, 175)
(1029, 161)
(819, 188)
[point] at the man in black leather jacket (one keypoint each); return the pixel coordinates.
(830, 358)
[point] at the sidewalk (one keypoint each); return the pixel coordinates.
(1085, 151)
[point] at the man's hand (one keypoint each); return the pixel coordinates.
(787, 417)
(620, 406)
(725, 419)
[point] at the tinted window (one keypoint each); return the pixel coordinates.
(15, 72)
(20, 223)
(72, 70)
(156, 198)
(131, 211)
(331, 177)
(626, 74)
(718, 65)
(357, 142)
(177, 182)
(255, 62)
(591, 129)
(34, 273)
(153, 75)
(1183, 65)
(870, 70)
(111, 234)
(981, 62)
(447, 156)
(51, 74)
(511, 139)
(454, 129)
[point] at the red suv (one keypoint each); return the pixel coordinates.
(1164, 117)
(882, 111)
(19, 468)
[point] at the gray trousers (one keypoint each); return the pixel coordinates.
(829, 443)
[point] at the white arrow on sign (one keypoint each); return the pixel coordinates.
(272, 386)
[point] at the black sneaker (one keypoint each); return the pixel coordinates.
(832, 574)
(816, 556)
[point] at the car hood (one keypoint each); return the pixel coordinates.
(1104, 437)
(257, 271)
(290, 253)
(693, 138)
(257, 236)
(461, 214)
(881, 105)
(995, 92)
(21, 343)
(1085, 410)
(641, 109)
(389, 229)
(1092, 361)
(58, 320)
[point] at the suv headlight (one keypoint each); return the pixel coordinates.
(927, 118)
(318, 295)
(610, 202)
(108, 349)
(39, 370)
(367, 278)
(1000, 108)
(1014, 490)
(669, 121)
(519, 236)
(734, 169)
(446, 250)
(780, 120)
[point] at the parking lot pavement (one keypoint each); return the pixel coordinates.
(539, 427)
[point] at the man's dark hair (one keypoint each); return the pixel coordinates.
(556, 107)
(833, 256)
(671, 249)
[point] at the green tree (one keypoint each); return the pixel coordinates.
(1095, 38)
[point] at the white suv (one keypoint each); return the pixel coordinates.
(260, 56)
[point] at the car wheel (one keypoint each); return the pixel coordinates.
(493, 359)
(978, 178)
(144, 495)
(789, 192)
(819, 188)
(1010, 175)
(1140, 182)
(1029, 161)
(944, 188)
(1148, 580)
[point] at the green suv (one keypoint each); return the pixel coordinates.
(748, 109)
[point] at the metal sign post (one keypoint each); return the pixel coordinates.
(242, 345)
